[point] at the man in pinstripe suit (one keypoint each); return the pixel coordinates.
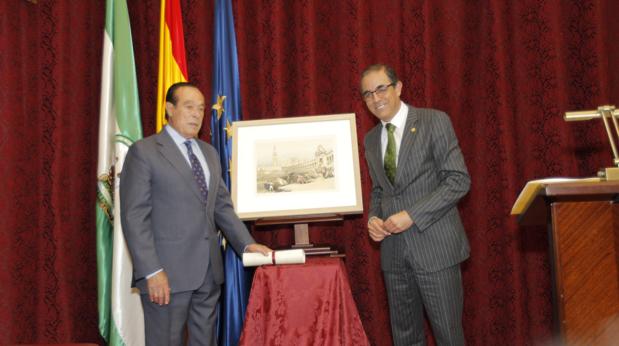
(418, 176)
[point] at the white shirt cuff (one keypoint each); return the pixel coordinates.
(153, 273)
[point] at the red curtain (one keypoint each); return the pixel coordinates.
(505, 71)
(50, 66)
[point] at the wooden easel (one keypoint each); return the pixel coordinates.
(301, 232)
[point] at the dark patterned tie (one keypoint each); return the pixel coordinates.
(389, 162)
(198, 173)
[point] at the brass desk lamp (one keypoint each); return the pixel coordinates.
(605, 112)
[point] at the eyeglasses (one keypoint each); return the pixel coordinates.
(379, 91)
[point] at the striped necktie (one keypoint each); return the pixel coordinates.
(390, 155)
(198, 172)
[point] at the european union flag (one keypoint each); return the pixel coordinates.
(226, 109)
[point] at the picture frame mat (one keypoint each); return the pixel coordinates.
(344, 199)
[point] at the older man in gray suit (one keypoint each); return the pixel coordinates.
(173, 199)
(418, 177)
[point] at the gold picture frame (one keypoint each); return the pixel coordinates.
(296, 167)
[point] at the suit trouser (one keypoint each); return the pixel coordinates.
(440, 293)
(164, 325)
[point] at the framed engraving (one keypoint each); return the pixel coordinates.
(296, 167)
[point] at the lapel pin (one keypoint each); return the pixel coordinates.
(413, 129)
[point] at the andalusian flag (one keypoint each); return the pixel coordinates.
(227, 109)
(172, 62)
(121, 321)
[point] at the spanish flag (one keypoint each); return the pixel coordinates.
(172, 62)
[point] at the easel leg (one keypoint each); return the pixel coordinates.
(301, 235)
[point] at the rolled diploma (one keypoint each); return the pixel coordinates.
(254, 259)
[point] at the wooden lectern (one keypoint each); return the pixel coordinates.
(582, 218)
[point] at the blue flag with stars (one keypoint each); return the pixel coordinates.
(227, 109)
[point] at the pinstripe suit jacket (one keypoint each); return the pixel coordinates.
(431, 178)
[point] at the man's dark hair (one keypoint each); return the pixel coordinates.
(389, 71)
(171, 97)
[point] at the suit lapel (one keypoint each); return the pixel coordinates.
(409, 135)
(376, 155)
(374, 145)
(213, 180)
(169, 150)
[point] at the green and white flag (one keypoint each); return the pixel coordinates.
(121, 321)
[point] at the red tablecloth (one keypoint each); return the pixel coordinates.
(302, 304)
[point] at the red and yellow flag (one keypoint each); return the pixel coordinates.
(172, 62)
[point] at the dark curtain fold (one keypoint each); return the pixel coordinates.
(505, 71)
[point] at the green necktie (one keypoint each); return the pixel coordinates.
(390, 153)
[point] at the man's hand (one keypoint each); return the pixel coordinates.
(376, 229)
(255, 247)
(399, 222)
(158, 288)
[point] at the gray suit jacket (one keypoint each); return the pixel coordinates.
(431, 178)
(165, 223)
